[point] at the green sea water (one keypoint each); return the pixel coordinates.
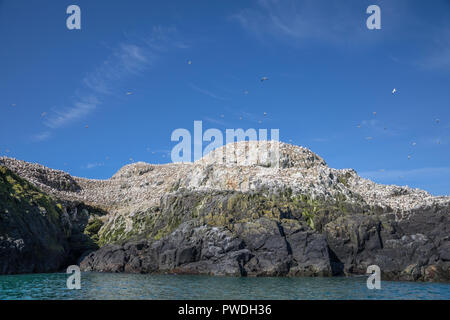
(140, 286)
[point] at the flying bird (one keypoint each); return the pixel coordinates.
(245, 91)
(438, 121)
(358, 126)
(86, 127)
(129, 93)
(374, 113)
(414, 144)
(369, 138)
(394, 91)
(189, 62)
(265, 113)
(13, 105)
(409, 157)
(43, 114)
(264, 79)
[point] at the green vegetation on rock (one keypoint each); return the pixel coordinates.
(32, 219)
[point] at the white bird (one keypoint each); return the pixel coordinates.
(414, 144)
(358, 126)
(264, 79)
(189, 62)
(129, 93)
(394, 91)
(265, 113)
(409, 157)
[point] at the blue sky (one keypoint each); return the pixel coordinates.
(327, 73)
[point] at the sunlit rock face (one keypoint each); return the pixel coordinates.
(251, 208)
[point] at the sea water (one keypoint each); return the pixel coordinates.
(141, 286)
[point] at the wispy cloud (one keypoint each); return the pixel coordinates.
(375, 126)
(343, 23)
(41, 136)
(206, 92)
(330, 21)
(419, 173)
(128, 59)
(79, 109)
(94, 165)
(217, 121)
(439, 55)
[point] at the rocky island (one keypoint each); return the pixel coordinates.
(299, 218)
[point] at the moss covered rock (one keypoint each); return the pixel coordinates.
(33, 235)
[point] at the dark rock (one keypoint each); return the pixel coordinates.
(32, 233)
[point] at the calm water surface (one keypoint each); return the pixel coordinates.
(138, 286)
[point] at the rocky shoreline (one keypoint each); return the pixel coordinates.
(300, 218)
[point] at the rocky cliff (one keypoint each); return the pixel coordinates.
(249, 217)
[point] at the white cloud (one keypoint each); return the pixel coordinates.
(330, 21)
(217, 121)
(375, 126)
(79, 109)
(94, 165)
(41, 136)
(128, 59)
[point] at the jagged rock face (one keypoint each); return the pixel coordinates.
(259, 248)
(233, 233)
(37, 234)
(246, 215)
